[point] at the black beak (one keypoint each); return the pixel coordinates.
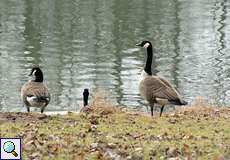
(31, 73)
(138, 44)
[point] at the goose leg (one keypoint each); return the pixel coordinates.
(151, 106)
(162, 108)
(28, 109)
(42, 110)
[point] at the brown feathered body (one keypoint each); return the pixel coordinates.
(35, 94)
(158, 90)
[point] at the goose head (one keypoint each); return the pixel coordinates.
(144, 44)
(37, 74)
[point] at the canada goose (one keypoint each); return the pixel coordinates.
(86, 108)
(34, 93)
(155, 89)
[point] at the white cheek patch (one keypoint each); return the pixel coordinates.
(34, 72)
(146, 45)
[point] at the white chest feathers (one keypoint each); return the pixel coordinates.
(34, 102)
(142, 76)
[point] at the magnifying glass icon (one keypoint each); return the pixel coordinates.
(9, 147)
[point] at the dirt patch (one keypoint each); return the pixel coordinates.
(22, 117)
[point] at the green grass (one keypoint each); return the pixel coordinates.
(193, 134)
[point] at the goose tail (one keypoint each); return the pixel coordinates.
(178, 102)
(183, 102)
(43, 98)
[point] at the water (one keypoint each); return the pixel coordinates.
(91, 44)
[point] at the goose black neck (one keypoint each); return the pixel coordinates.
(38, 76)
(148, 64)
(85, 101)
(85, 97)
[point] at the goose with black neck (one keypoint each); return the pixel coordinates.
(155, 89)
(34, 93)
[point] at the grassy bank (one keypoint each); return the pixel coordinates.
(197, 132)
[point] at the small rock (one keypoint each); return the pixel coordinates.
(111, 145)
(82, 135)
(112, 155)
(139, 149)
(159, 137)
(93, 146)
(172, 152)
(93, 127)
(188, 137)
(172, 121)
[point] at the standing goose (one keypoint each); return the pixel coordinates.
(86, 108)
(155, 89)
(34, 93)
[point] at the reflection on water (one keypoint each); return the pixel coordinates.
(91, 44)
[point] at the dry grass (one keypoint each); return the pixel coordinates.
(100, 104)
(197, 132)
(201, 108)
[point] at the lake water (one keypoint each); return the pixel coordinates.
(91, 44)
